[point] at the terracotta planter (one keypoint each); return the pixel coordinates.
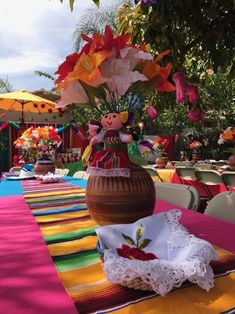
(42, 167)
(196, 156)
(118, 200)
(161, 161)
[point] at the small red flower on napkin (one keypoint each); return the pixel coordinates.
(135, 253)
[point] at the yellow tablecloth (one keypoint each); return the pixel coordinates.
(164, 175)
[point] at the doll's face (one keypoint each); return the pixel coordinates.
(111, 121)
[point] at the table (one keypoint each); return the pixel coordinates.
(16, 287)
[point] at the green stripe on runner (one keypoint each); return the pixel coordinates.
(69, 236)
(75, 261)
(56, 197)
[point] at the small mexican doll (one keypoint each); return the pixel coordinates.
(113, 161)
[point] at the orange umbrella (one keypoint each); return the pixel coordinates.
(26, 102)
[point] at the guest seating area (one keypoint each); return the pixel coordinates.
(222, 206)
(179, 194)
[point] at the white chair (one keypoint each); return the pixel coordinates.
(229, 179)
(153, 172)
(179, 194)
(186, 173)
(81, 175)
(209, 178)
(222, 206)
(62, 172)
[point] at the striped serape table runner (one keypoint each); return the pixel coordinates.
(69, 232)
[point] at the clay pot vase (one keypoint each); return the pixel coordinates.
(42, 167)
(196, 156)
(161, 161)
(119, 200)
(231, 162)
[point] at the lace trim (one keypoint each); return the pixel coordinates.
(120, 172)
(163, 275)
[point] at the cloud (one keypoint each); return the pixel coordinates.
(35, 35)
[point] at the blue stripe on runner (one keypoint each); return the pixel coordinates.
(59, 211)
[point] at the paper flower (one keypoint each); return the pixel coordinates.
(111, 74)
(195, 145)
(195, 115)
(152, 112)
(39, 141)
(227, 135)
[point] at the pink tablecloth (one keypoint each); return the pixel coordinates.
(28, 280)
(216, 231)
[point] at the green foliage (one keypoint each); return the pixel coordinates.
(44, 74)
(202, 30)
(71, 3)
(95, 19)
(5, 86)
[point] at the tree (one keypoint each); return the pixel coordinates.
(5, 86)
(203, 30)
(95, 19)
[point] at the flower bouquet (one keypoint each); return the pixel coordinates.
(195, 145)
(160, 144)
(39, 143)
(110, 74)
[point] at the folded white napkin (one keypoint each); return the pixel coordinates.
(177, 254)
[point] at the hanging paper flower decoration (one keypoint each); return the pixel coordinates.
(195, 115)
(152, 112)
(184, 90)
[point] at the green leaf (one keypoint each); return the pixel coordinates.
(128, 239)
(97, 2)
(139, 232)
(71, 3)
(144, 243)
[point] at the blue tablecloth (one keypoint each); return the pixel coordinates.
(10, 187)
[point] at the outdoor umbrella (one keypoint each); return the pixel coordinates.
(24, 101)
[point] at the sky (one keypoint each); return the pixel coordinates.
(36, 35)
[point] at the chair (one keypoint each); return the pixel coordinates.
(80, 175)
(186, 173)
(62, 172)
(209, 178)
(222, 206)
(228, 178)
(179, 194)
(153, 172)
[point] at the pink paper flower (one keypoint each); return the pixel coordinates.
(195, 115)
(152, 112)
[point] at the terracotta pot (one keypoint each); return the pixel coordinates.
(161, 161)
(118, 200)
(231, 162)
(42, 167)
(196, 156)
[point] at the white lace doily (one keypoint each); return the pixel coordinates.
(181, 256)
